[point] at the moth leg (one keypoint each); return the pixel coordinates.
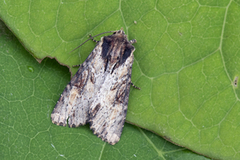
(78, 65)
(93, 39)
(135, 86)
(133, 41)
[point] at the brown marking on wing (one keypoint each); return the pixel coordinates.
(95, 110)
(81, 81)
(92, 78)
(120, 97)
(72, 96)
(114, 86)
(114, 114)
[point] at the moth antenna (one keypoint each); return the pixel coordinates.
(134, 86)
(91, 38)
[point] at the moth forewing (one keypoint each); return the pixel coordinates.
(99, 91)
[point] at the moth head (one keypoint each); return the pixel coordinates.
(119, 32)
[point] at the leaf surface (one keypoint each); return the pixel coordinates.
(186, 63)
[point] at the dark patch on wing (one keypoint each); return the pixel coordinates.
(104, 125)
(106, 45)
(126, 53)
(115, 67)
(104, 128)
(106, 62)
(74, 113)
(81, 80)
(92, 78)
(125, 111)
(121, 93)
(114, 86)
(122, 121)
(96, 109)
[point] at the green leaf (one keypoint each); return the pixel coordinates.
(29, 91)
(186, 63)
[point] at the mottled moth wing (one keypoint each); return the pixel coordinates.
(73, 105)
(109, 108)
(99, 91)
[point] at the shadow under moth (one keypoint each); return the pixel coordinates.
(98, 93)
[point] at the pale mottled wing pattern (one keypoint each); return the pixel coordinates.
(108, 111)
(73, 105)
(109, 108)
(99, 91)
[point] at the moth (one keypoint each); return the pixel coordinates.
(98, 93)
